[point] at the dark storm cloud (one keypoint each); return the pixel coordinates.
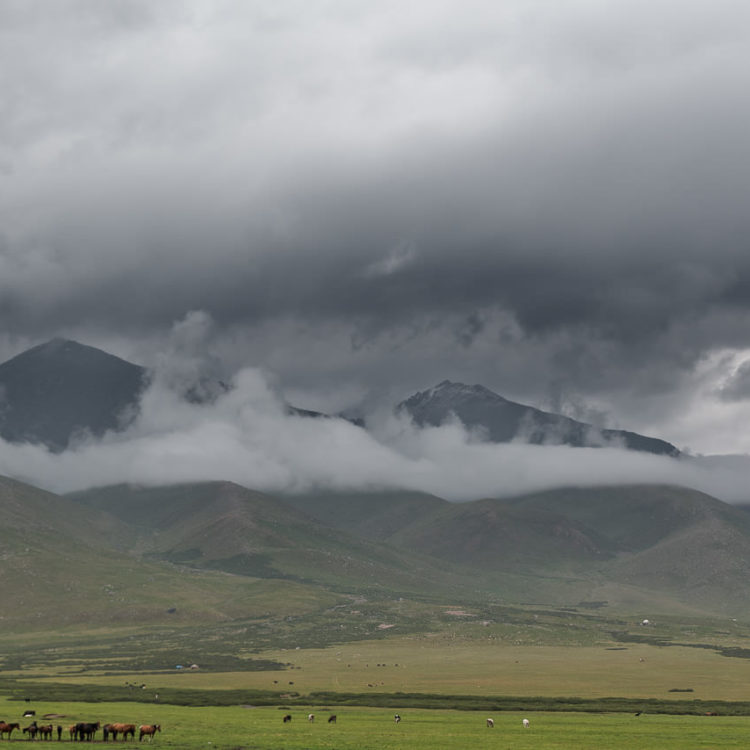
(545, 197)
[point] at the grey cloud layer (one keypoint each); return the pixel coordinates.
(540, 196)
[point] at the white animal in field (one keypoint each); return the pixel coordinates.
(490, 723)
(525, 723)
(311, 718)
(397, 718)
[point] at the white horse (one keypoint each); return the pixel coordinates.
(490, 723)
(525, 723)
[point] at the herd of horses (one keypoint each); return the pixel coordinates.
(82, 731)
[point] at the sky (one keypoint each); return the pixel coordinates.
(359, 200)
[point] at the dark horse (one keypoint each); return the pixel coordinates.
(85, 730)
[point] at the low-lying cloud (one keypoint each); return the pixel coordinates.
(246, 435)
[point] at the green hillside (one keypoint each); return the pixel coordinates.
(221, 525)
(624, 543)
(373, 515)
(214, 552)
(634, 517)
(60, 570)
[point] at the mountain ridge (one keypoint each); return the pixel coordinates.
(499, 420)
(61, 390)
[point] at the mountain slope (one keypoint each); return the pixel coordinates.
(372, 515)
(59, 570)
(501, 421)
(674, 541)
(61, 388)
(224, 526)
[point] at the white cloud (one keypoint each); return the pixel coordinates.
(246, 436)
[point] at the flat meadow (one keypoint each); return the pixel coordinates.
(235, 727)
(560, 673)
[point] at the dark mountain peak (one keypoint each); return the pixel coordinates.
(449, 392)
(60, 352)
(60, 389)
(502, 421)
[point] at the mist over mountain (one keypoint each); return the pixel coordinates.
(492, 417)
(74, 417)
(61, 390)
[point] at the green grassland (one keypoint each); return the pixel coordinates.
(191, 728)
(426, 648)
(579, 674)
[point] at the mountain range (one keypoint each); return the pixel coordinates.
(215, 551)
(59, 392)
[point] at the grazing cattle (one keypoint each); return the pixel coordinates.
(525, 723)
(148, 730)
(311, 718)
(397, 718)
(6, 728)
(287, 718)
(332, 719)
(490, 723)
(28, 714)
(123, 729)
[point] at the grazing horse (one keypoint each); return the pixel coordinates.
(397, 718)
(525, 723)
(490, 723)
(311, 718)
(86, 730)
(32, 729)
(45, 731)
(123, 729)
(72, 730)
(59, 733)
(287, 718)
(6, 728)
(332, 719)
(148, 730)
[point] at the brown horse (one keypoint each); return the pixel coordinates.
(148, 730)
(45, 731)
(6, 728)
(123, 729)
